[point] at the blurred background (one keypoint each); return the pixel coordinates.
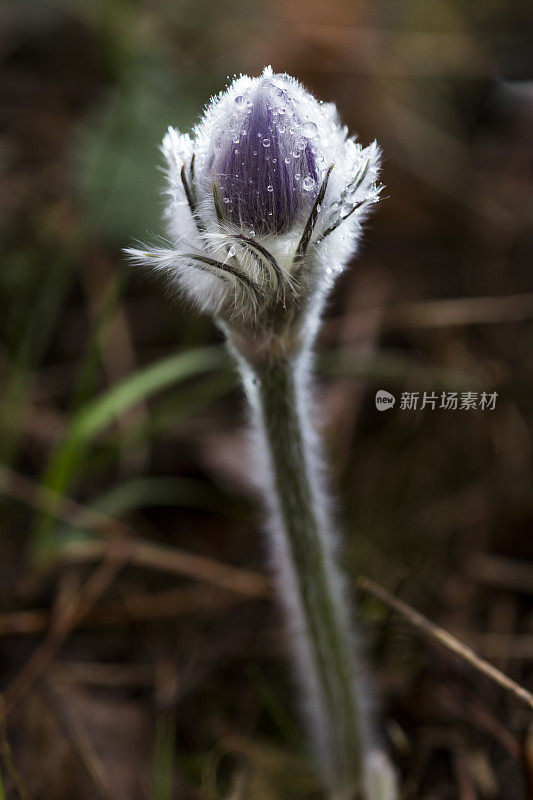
(141, 656)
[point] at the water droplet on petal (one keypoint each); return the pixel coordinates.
(239, 100)
(231, 252)
(309, 130)
(266, 142)
(308, 183)
(270, 188)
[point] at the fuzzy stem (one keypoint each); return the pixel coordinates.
(308, 581)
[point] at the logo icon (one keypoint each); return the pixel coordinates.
(384, 400)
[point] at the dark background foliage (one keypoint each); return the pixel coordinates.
(130, 670)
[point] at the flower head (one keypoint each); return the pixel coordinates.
(265, 202)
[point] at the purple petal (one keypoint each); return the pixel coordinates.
(265, 169)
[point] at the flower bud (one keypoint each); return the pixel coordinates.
(264, 157)
(266, 200)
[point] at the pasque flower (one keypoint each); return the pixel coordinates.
(265, 204)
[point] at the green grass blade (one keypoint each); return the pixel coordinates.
(165, 743)
(96, 416)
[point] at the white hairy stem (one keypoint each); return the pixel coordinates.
(302, 545)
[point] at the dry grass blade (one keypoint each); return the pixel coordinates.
(507, 573)
(446, 639)
(142, 607)
(80, 741)
(95, 586)
(168, 604)
(143, 553)
(8, 761)
(444, 313)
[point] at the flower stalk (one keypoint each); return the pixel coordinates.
(266, 202)
(306, 575)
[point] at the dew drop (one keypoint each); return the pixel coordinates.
(309, 130)
(270, 188)
(297, 176)
(266, 142)
(251, 232)
(239, 100)
(308, 183)
(231, 252)
(287, 161)
(226, 200)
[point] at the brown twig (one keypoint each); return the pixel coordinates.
(141, 552)
(507, 573)
(79, 740)
(136, 608)
(97, 674)
(484, 310)
(8, 760)
(95, 586)
(446, 639)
